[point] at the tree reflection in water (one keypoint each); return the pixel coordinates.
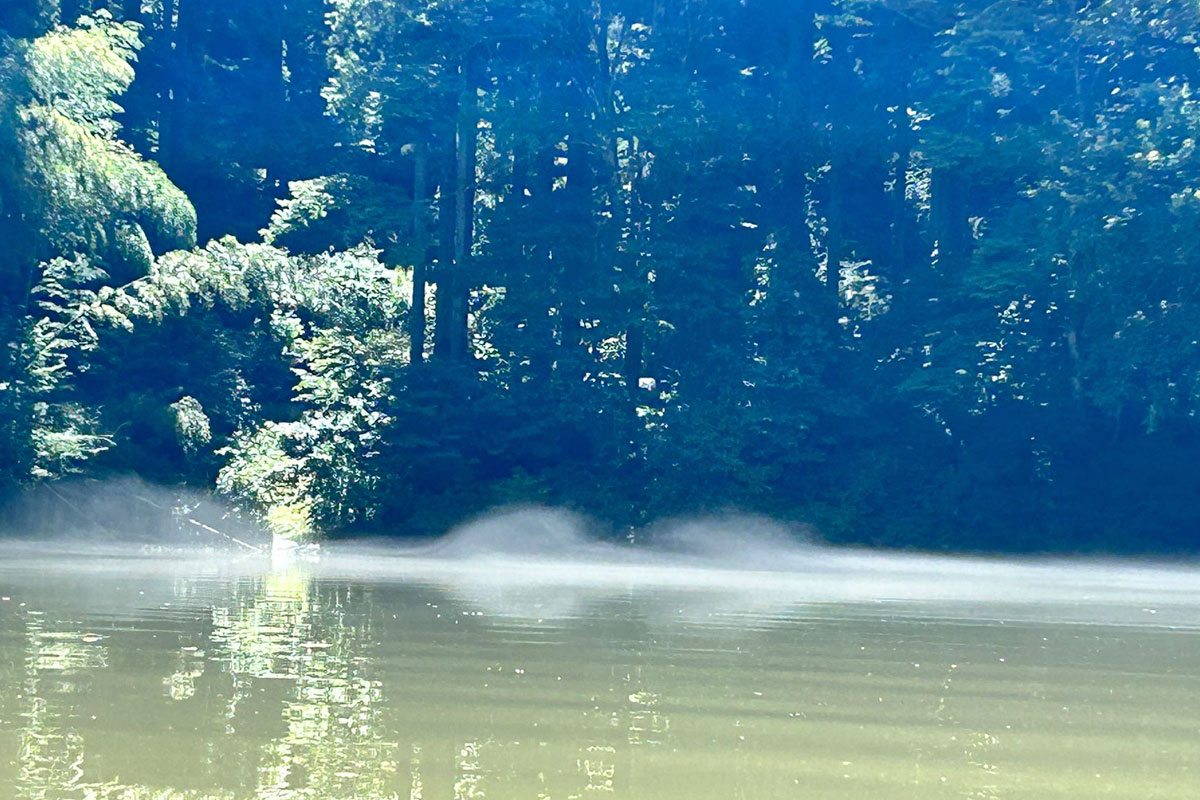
(58, 665)
(286, 627)
(281, 627)
(156, 685)
(270, 687)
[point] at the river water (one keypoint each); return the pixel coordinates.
(368, 676)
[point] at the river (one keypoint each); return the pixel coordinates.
(369, 675)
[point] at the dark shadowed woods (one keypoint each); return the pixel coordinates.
(917, 273)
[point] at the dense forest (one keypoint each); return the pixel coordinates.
(917, 272)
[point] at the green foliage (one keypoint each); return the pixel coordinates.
(260, 471)
(920, 272)
(77, 72)
(340, 317)
(191, 424)
(45, 432)
(89, 191)
(323, 461)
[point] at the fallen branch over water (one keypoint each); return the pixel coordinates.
(207, 528)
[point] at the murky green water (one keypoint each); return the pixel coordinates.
(131, 679)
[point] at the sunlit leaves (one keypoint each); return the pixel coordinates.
(78, 72)
(87, 190)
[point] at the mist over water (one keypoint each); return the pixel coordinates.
(565, 656)
(551, 563)
(745, 565)
(125, 513)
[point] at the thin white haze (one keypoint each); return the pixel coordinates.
(745, 564)
(547, 563)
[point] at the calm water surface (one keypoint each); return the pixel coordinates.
(130, 677)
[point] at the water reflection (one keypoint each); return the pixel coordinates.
(290, 684)
(58, 664)
(285, 627)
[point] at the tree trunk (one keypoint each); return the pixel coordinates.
(175, 29)
(416, 311)
(634, 340)
(897, 201)
(544, 338)
(1076, 370)
(950, 225)
(464, 214)
(444, 274)
(837, 248)
(454, 280)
